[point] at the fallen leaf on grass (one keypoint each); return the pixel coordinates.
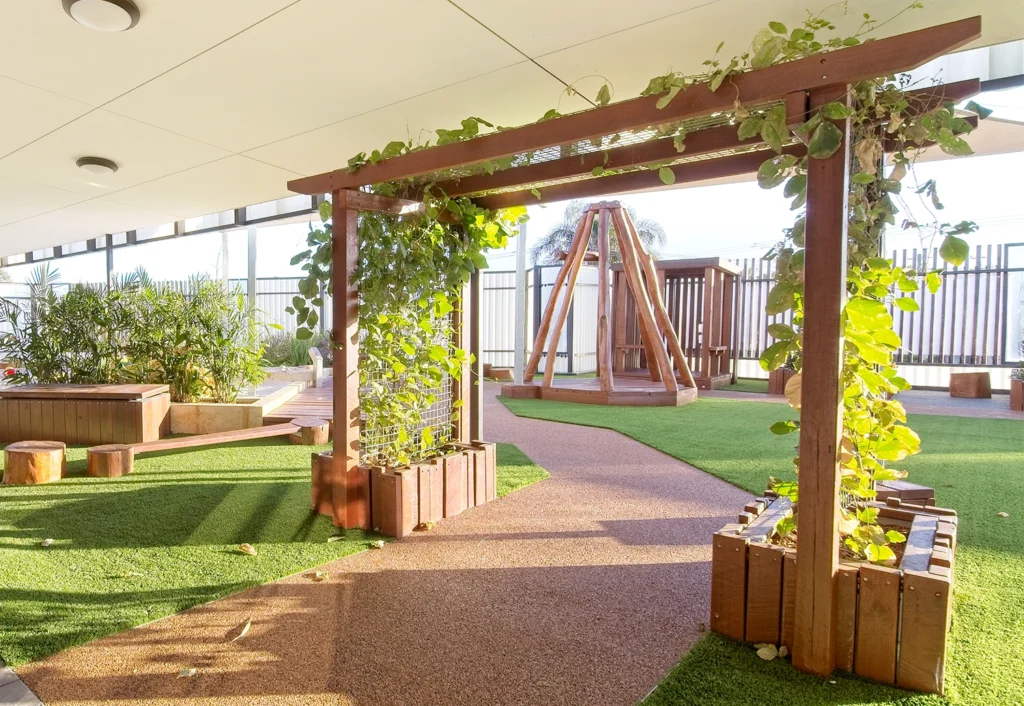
(1003, 514)
(246, 626)
(947, 485)
(321, 576)
(767, 652)
(783, 651)
(379, 544)
(247, 549)
(47, 542)
(336, 538)
(187, 672)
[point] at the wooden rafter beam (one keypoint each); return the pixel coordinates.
(701, 142)
(848, 65)
(362, 201)
(687, 172)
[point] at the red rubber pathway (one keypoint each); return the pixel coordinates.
(582, 589)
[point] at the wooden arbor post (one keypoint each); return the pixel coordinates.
(821, 404)
(350, 482)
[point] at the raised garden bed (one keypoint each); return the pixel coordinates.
(85, 414)
(396, 501)
(892, 623)
(777, 380)
(244, 413)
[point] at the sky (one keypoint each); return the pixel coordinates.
(732, 221)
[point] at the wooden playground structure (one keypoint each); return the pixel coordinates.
(671, 383)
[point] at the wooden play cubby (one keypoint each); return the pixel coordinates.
(892, 623)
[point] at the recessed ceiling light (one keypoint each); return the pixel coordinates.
(97, 166)
(103, 15)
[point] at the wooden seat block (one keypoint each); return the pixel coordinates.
(34, 462)
(312, 431)
(110, 461)
(970, 385)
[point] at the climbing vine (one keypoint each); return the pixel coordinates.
(884, 120)
(412, 269)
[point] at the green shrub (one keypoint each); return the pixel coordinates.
(199, 342)
(284, 348)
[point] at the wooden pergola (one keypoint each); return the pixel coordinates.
(556, 158)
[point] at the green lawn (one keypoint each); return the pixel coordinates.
(975, 465)
(748, 385)
(130, 550)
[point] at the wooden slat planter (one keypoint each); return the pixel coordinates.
(977, 385)
(1017, 395)
(398, 500)
(777, 380)
(85, 414)
(891, 623)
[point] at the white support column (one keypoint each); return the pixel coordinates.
(250, 289)
(519, 361)
(224, 269)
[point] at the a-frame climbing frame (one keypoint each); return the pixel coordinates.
(671, 382)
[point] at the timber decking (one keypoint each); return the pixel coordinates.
(629, 391)
(311, 402)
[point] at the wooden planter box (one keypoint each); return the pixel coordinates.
(978, 385)
(395, 501)
(777, 380)
(892, 623)
(1017, 395)
(85, 414)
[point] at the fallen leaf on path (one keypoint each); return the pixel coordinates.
(247, 549)
(321, 576)
(424, 526)
(379, 544)
(187, 672)
(702, 628)
(246, 626)
(1003, 514)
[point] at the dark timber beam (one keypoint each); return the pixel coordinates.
(735, 165)
(876, 58)
(821, 401)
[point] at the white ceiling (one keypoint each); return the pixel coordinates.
(208, 106)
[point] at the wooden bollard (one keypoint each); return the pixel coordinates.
(34, 462)
(110, 461)
(312, 431)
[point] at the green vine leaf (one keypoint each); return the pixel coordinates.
(954, 250)
(825, 140)
(325, 213)
(773, 129)
(782, 428)
(604, 95)
(667, 176)
(750, 127)
(907, 304)
(778, 28)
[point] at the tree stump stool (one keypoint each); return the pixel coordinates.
(313, 431)
(34, 462)
(110, 461)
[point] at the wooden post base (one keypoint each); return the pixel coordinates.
(34, 462)
(312, 431)
(110, 461)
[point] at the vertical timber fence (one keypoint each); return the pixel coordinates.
(975, 320)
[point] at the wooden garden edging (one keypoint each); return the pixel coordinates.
(891, 623)
(396, 501)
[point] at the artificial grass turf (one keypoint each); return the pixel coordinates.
(133, 549)
(976, 467)
(748, 385)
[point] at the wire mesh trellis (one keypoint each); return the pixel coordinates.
(377, 441)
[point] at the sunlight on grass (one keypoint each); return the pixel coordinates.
(976, 467)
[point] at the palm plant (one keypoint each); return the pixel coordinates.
(559, 238)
